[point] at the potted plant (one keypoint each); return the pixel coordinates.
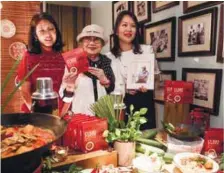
(121, 135)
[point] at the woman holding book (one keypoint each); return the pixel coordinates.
(127, 49)
(84, 89)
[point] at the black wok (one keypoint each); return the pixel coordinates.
(27, 162)
(193, 132)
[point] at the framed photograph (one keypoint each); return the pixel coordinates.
(220, 52)
(162, 5)
(197, 33)
(141, 73)
(189, 6)
(161, 35)
(111, 41)
(119, 6)
(142, 10)
(159, 85)
(207, 87)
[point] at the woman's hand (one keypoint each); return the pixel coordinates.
(69, 79)
(99, 73)
(143, 89)
(133, 92)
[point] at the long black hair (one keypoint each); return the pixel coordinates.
(33, 43)
(116, 50)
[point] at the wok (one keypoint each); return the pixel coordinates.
(193, 132)
(27, 162)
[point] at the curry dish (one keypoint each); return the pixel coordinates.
(20, 139)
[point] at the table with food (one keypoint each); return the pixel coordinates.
(48, 142)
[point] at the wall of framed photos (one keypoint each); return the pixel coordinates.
(205, 58)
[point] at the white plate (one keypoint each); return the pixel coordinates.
(86, 171)
(8, 29)
(178, 157)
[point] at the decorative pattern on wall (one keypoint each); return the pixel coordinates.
(8, 29)
(20, 13)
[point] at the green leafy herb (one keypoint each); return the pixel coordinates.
(17, 87)
(131, 130)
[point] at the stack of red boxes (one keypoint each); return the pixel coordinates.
(85, 133)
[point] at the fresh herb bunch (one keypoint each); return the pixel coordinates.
(131, 130)
(47, 167)
(104, 108)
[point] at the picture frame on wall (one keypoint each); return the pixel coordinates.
(162, 5)
(207, 88)
(190, 6)
(159, 85)
(142, 10)
(119, 6)
(220, 51)
(161, 36)
(141, 73)
(197, 33)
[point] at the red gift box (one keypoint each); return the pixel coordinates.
(70, 136)
(178, 91)
(91, 135)
(76, 60)
(85, 133)
(214, 140)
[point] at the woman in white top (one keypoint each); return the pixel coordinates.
(126, 49)
(86, 88)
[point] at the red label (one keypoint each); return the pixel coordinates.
(214, 140)
(178, 91)
(76, 60)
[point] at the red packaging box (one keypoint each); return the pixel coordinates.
(214, 140)
(91, 135)
(70, 136)
(79, 131)
(76, 60)
(178, 91)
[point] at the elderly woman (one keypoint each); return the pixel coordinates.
(86, 88)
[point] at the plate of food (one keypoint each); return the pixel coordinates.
(195, 163)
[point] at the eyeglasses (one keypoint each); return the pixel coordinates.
(43, 32)
(93, 39)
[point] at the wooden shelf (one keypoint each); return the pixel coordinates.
(90, 160)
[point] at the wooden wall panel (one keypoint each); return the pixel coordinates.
(20, 13)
